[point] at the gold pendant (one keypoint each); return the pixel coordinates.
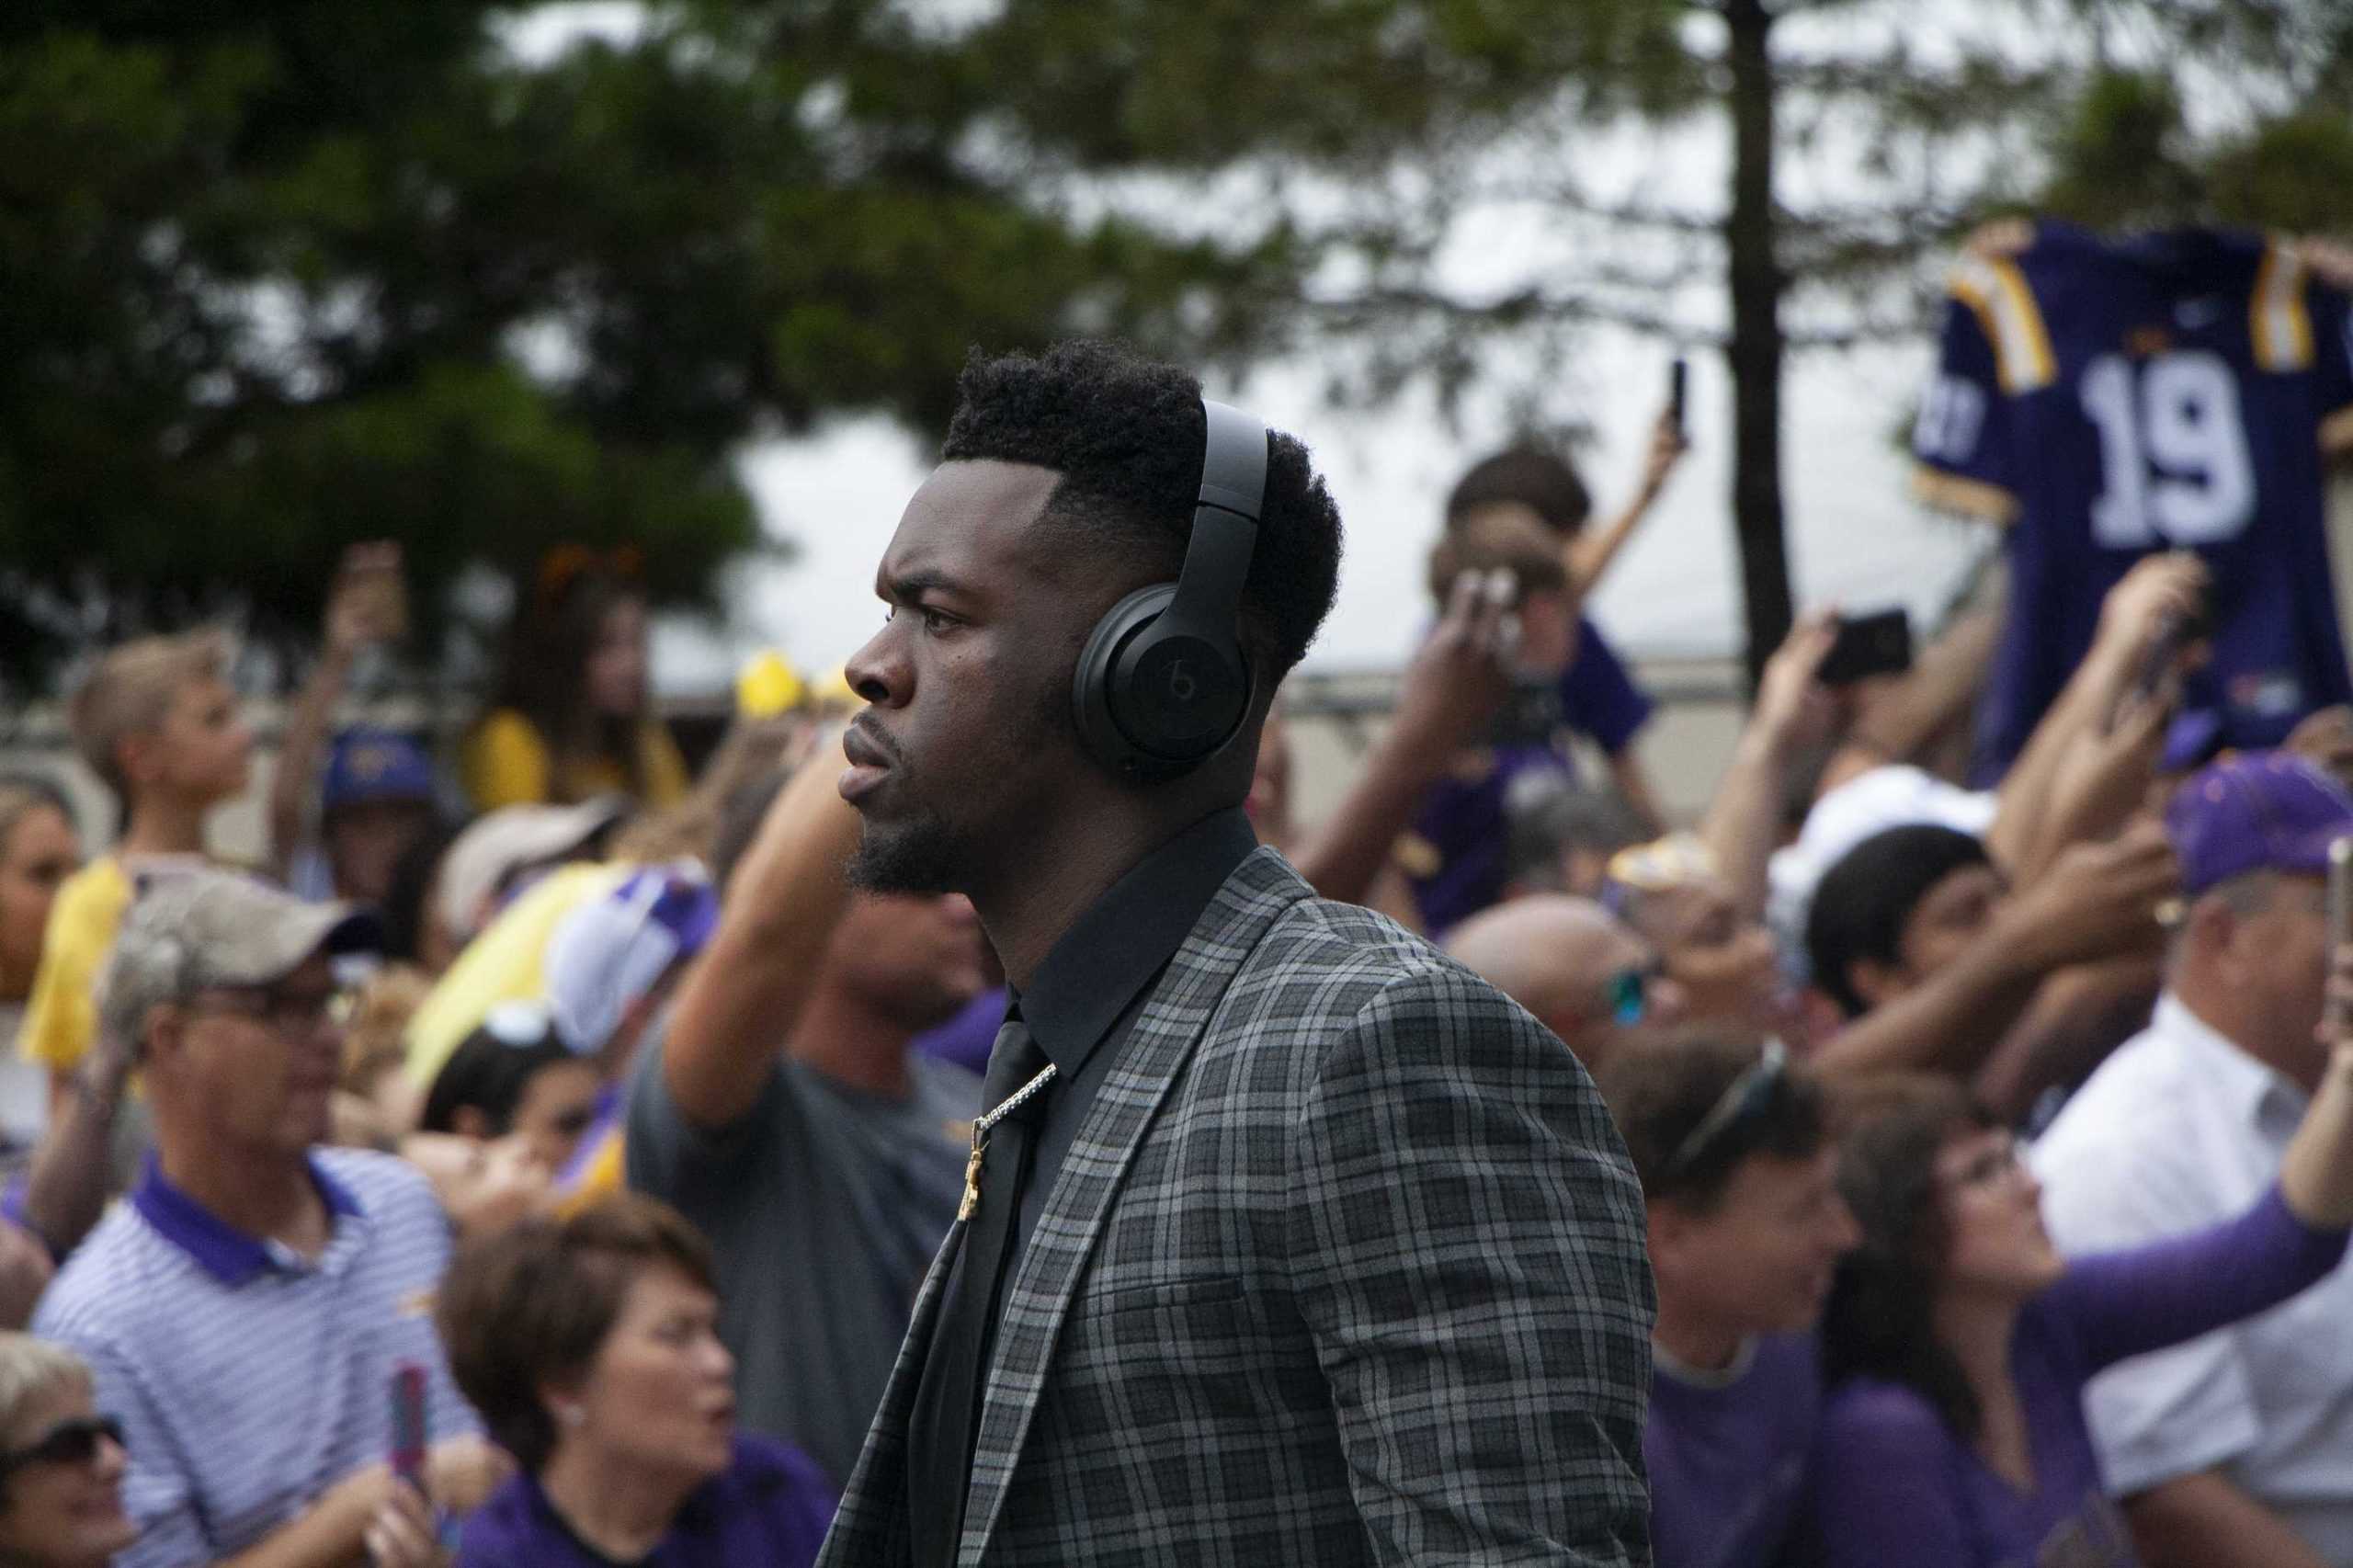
(981, 1125)
(964, 1211)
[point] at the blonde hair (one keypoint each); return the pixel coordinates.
(32, 1369)
(752, 749)
(132, 691)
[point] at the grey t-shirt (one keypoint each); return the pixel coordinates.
(824, 1206)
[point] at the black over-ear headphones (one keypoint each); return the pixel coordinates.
(1163, 685)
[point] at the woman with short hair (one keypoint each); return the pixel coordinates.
(590, 1346)
(61, 1462)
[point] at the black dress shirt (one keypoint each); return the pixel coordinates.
(1084, 997)
(1080, 1006)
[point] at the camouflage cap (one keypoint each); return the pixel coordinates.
(199, 928)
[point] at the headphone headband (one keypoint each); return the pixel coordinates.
(1163, 683)
(1225, 524)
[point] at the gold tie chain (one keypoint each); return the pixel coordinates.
(981, 1125)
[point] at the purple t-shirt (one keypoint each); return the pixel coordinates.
(1896, 1484)
(967, 1039)
(1455, 858)
(1598, 699)
(770, 1509)
(1728, 1460)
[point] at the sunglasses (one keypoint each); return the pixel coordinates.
(74, 1442)
(1626, 995)
(1747, 1100)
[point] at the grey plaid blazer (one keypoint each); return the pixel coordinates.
(1346, 1265)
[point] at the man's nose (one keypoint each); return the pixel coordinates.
(878, 672)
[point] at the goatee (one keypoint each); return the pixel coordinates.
(920, 855)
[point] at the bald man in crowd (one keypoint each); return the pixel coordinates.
(1584, 973)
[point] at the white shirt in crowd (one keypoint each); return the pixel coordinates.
(2177, 1130)
(24, 1090)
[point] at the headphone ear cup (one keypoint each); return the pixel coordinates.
(1151, 704)
(1093, 701)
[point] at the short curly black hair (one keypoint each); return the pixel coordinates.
(1125, 433)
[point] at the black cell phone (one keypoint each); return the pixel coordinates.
(1875, 644)
(1678, 375)
(1530, 716)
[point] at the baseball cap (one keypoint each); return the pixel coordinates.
(486, 858)
(2256, 812)
(196, 929)
(368, 765)
(1895, 795)
(608, 954)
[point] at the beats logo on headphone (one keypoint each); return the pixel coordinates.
(1163, 685)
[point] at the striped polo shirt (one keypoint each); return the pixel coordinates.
(247, 1379)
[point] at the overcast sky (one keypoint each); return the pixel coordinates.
(1855, 536)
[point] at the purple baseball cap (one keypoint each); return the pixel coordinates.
(2263, 811)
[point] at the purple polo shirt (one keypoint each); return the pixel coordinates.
(1896, 1484)
(1454, 856)
(769, 1510)
(1728, 1455)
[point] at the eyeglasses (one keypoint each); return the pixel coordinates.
(1745, 1100)
(1997, 1163)
(1626, 995)
(72, 1442)
(295, 1014)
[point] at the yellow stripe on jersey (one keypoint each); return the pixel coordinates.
(1997, 291)
(1970, 497)
(2336, 433)
(2280, 325)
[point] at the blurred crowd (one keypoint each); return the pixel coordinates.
(535, 1160)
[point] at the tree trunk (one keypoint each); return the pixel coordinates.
(1756, 352)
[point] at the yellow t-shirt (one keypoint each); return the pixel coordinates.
(504, 964)
(61, 1015)
(507, 763)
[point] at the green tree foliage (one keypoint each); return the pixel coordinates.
(1858, 142)
(278, 276)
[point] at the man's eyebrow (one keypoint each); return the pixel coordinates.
(906, 587)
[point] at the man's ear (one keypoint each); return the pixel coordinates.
(1672, 1229)
(135, 755)
(2211, 927)
(1567, 1021)
(161, 1036)
(470, 1121)
(1877, 984)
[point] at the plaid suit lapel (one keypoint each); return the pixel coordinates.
(870, 1529)
(1154, 1053)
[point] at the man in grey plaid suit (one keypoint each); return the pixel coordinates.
(1287, 1240)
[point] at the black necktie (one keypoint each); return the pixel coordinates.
(945, 1417)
